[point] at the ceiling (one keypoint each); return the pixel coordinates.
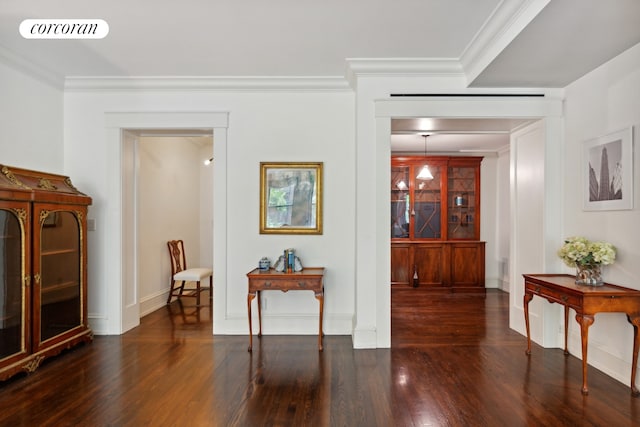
(497, 43)
(452, 136)
(566, 40)
(244, 37)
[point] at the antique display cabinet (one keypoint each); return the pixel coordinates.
(43, 252)
(435, 224)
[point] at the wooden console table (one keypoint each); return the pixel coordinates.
(586, 301)
(309, 279)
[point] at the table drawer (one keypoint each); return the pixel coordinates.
(555, 296)
(284, 284)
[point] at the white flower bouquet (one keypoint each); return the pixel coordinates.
(580, 252)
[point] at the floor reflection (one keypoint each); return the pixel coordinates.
(183, 314)
(287, 383)
(187, 320)
(172, 371)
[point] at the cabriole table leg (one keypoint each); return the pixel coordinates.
(250, 298)
(527, 298)
(585, 321)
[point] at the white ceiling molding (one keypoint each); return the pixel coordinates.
(30, 68)
(380, 67)
(506, 22)
(250, 84)
(504, 150)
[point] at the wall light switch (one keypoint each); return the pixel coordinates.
(91, 224)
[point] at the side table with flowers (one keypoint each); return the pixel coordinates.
(587, 258)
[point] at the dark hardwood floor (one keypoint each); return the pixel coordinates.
(453, 362)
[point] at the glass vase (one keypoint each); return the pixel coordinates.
(589, 275)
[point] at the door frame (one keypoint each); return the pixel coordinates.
(122, 306)
(373, 270)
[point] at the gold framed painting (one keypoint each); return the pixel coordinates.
(291, 197)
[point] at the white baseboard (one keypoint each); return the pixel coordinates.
(365, 337)
(491, 283)
(98, 324)
(600, 358)
(151, 303)
(283, 324)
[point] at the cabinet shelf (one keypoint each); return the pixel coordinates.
(59, 286)
(65, 291)
(51, 252)
(5, 318)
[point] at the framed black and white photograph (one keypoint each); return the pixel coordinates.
(608, 172)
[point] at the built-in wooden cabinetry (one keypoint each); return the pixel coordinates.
(43, 275)
(435, 224)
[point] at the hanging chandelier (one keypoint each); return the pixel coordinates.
(425, 173)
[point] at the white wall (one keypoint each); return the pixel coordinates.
(31, 130)
(263, 126)
(531, 221)
(503, 215)
(489, 225)
(169, 195)
(206, 206)
(601, 102)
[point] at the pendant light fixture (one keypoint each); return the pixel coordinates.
(425, 173)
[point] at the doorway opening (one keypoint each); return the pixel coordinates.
(451, 268)
(122, 128)
(167, 195)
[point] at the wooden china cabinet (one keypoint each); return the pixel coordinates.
(435, 224)
(43, 254)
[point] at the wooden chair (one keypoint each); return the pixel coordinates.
(180, 273)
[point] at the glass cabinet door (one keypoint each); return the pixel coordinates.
(60, 273)
(443, 204)
(13, 293)
(400, 202)
(427, 208)
(462, 201)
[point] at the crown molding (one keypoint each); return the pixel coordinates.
(30, 68)
(504, 150)
(385, 67)
(249, 84)
(503, 26)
